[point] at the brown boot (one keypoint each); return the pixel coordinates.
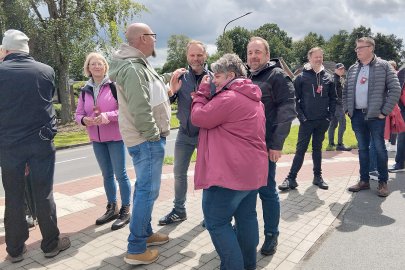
(382, 189)
(361, 185)
(148, 257)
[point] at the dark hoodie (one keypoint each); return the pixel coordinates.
(278, 99)
(313, 104)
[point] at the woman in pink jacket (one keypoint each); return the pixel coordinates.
(97, 109)
(232, 160)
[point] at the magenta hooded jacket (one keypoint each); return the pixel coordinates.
(108, 105)
(231, 151)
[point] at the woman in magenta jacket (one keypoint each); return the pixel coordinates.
(97, 109)
(232, 160)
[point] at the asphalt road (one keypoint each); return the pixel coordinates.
(78, 162)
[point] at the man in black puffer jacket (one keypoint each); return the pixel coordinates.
(371, 92)
(27, 128)
(316, 102)
(278, 99)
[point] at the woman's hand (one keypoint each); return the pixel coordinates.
(88, 121)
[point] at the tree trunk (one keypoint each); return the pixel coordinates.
(66, 112)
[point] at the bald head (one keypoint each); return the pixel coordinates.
(141, 37)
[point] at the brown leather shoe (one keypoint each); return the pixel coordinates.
(157, 239)
(382, 189)
(361, 185)
(148, 257)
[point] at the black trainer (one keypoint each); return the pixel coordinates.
(172, 217)
(270, 245)
(318, 181)
(342, 147)
(288, 183)
(396, 168)
(111, 214)
(123, 218)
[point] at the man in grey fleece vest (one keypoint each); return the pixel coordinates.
(370, 94)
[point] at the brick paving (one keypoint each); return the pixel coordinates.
(306, 214)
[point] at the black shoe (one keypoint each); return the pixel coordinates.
(270, 245)
(288, 183)
(172, 217)
(63, 244)
(396, 168)
(318, 181)
(123, 218)
(110, 214)
(342, 147)
(18, 258)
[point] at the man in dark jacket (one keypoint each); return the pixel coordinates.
(316, 102)
(27, 128)
(187, 136)
(278, 99)
(339, 117)
(370, 94)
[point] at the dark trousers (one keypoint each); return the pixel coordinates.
(315, 129)
(40, 156)
(338, 118)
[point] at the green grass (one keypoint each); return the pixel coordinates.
(71, 138)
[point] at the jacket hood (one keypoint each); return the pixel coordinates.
(308, 67)
(246, 88)
(274, 62)
(122, 57)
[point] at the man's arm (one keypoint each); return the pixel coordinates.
(332, 99)
(298, 96)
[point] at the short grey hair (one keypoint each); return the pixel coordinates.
(367, 40)
(229, 62)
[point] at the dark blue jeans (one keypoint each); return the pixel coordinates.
(364, 131)
(148, 161)
(183, 150)
(111, 159)
(270, 202)
(236, 248)
(40, 156)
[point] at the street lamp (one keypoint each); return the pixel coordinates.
(235, 20)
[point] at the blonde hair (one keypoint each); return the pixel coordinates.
(314, 49)
(86, 70)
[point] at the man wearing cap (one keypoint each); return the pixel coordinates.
(339, 116)
(27, 129)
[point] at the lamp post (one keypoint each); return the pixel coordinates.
(235, 20)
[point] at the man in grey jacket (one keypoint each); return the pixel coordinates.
(187, 136)
(370, 94)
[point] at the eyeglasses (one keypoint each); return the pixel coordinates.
(361, 47)
(153, 35)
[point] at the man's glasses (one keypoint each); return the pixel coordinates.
(153, 35)
(361, 47)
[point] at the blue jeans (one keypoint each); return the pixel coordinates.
(365, 130)
(111, 159)
(400, 156)
(148, 161)
(373, 157)
(236, 248)
(270, 202)
(183, 150)
(40, 156)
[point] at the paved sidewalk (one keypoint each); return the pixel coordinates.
(306, 214)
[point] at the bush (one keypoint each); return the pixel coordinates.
(58, 108)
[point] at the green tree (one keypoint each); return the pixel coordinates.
(239, 37)
(335, 45)
(66, 30)
(388, 47)
(279, 41)
(224, 45)
(176, 54)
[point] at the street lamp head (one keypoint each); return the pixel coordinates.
(235, 20)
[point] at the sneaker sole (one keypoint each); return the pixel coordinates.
(395, 171)
(172, 222)
(157, 243)
(137, 262)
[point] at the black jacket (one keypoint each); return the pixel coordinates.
(278, 99)
(338, 89)
(313, 104)
(26, 93)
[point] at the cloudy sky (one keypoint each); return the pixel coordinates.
(205, 20)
